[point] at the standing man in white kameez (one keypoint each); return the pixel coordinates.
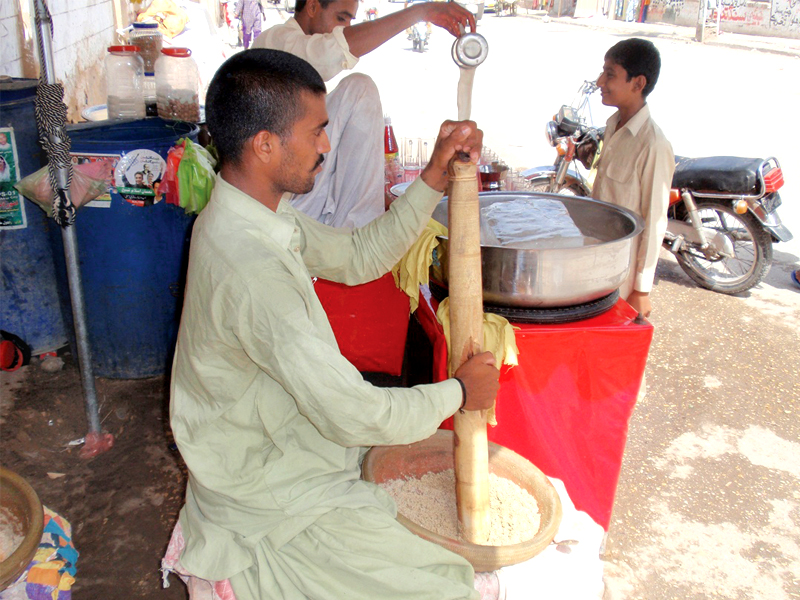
(350, 189)
(270, 418)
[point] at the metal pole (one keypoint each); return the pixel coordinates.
(700, 34)
(70, 241)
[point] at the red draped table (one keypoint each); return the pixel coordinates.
(565, 407)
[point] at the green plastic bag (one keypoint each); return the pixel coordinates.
(196, 177)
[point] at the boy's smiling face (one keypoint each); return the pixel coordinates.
(615, 87)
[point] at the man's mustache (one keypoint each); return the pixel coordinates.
(320, 160)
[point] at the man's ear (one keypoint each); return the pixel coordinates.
(639, 83)
(312, 7)
(263, 144)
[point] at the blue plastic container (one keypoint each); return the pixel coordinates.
(133, 251)
(30, 306)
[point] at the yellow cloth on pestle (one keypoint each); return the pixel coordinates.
(498, 338)
(412, 270)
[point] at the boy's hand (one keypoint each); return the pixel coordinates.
(481, 379)
(454, 137)
(640, 302)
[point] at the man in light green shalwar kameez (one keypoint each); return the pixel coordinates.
(270, 418)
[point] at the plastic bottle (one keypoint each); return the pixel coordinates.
(177, 85)
(124, 80)
(391, 152)
(149, 39)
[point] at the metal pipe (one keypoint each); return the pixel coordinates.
(70, 241)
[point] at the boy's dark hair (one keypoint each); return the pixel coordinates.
(256, 90)
(301, 4)
(637, 57)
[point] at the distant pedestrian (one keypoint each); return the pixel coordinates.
(645, 6)
(796, 277)
(250, 13)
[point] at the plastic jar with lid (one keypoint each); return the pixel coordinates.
(177, 85)
(124, 82)
(149, 39)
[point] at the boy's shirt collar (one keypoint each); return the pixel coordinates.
(635, 123)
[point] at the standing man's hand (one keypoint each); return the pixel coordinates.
(448, 15)
(481, 380)
(640, 302)
(363, 38)
(454, 137)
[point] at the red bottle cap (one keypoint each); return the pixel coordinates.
(179, 52)
(123, 48)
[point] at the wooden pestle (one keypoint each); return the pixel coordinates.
(466, 337)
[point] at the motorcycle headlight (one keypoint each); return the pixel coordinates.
(551, 133)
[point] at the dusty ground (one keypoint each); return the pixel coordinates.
(122, 504)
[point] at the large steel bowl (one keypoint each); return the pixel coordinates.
(547, 277)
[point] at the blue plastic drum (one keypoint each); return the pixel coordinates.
(133, 247)
(30, 306)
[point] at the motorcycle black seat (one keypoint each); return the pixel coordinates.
(730, 174)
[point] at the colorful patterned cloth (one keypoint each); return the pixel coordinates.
(52, 571)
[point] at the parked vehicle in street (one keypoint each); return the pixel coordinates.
(723, 215)
(505, 7)
(419, 35)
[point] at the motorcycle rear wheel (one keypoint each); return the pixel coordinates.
(542, 184)
(752, 247)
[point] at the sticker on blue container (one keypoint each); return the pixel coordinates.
(12, 207)
(104, 200)
(138, 176)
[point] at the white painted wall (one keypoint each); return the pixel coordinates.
(780, 18)
(83, 30)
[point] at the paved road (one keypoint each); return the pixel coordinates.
(708, 502)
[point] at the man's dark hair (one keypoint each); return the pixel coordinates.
(301, 4)
(256, 90)
(637, 57)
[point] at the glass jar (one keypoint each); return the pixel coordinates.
(177, 85)
(124, 81)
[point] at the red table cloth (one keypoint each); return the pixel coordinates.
(566, 406)
(370, 322)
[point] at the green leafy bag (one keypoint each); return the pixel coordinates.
(195, 177)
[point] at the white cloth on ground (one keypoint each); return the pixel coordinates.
(574, 572)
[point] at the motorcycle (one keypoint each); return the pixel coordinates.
(722, 215)
(419, 35)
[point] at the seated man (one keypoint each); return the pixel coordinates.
(350, 190)
(270, 418)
